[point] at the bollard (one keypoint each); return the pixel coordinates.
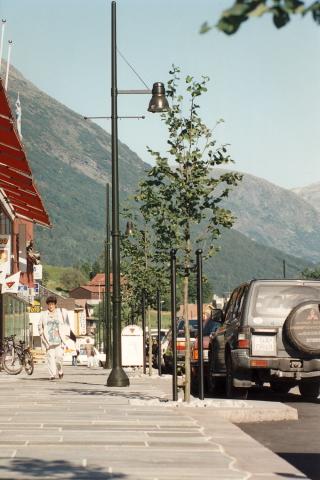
(159, 330)
(200, 323)
(173, 324)
(143, 314)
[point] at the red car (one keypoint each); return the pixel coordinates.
(209, 326)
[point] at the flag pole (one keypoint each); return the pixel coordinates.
(1, 43)
(8, 64)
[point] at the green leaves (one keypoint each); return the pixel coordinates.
(180, 190)
(281, 11)
(280, 17)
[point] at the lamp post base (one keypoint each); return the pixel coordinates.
(118, 378)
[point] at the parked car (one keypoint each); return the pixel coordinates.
(210, 325)
(270, 333)
(99, 358)
(181, 345)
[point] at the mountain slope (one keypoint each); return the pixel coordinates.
(71, 161)
(276, 217)
(311, 194)
(241, 259)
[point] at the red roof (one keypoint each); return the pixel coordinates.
(98, 279)
(16, 182)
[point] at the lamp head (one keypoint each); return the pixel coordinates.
(129, 228)
(158, 102)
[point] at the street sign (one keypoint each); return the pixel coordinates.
(37, 272)
(35, 308)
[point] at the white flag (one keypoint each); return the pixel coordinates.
(11, 284)
(3, 272)
(18, 115)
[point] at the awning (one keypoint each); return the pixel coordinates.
(16, 182)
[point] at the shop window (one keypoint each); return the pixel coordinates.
(5, 224)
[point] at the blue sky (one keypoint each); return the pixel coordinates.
(264, 82)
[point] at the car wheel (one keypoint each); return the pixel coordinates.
(231, 390)
(310, 388)
(280, 387)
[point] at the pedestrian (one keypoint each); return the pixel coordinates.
(52, 330)
(74, 354)
(90, 353)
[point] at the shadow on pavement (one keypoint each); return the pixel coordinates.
(266, 394)
(106, 393)
(36, 468)
(308, 463)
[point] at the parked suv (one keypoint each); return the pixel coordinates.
(270, 332)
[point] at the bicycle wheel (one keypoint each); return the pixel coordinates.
(11, 362)
(28, 363)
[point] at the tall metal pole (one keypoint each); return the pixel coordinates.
(159, 330)
(200, 322)
(174, 324)
(117, 377)
(107, 302)
(143, 314)
(284, 268)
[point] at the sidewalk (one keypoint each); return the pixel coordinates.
(77, 428)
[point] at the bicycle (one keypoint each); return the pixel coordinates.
(16, 356)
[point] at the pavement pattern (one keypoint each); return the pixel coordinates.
(77, 428)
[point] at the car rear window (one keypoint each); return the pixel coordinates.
(271, 304)
(193, 327)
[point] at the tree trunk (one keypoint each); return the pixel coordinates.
(150, 341)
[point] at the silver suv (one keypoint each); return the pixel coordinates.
(270, 333)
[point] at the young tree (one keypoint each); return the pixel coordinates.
(143, 269)
(280, 11)
(182, 190)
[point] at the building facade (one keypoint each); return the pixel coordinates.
(21, 207)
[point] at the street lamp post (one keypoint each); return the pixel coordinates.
(107, 304)
(158, 103)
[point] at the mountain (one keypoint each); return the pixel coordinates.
(241, 259)
(276, 217)
(71, 161)
(311, 194)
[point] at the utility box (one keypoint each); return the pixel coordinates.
(132, 346)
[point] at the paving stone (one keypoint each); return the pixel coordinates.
(80, 429)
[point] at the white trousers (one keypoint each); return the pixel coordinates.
(90, 361)
(54, 359)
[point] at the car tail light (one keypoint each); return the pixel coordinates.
(243, 342)
(259, 363)
(181, 346)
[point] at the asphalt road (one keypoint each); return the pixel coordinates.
(298, 442)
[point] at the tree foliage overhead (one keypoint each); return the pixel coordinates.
(181, 189)
(281, 12)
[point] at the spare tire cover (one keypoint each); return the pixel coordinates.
(302, 327)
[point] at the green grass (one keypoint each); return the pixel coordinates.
(54, 274)
(165, 319)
